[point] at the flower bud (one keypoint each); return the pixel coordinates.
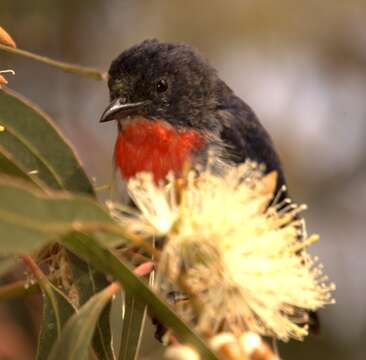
(227, 346)
(181, 352)
(255, 348)
(6, 39)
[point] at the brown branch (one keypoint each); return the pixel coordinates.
(35, 270)
(18, 289)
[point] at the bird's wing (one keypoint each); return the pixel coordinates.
(245, 138)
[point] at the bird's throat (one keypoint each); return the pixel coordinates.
(154, 146)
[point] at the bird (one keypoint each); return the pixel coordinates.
(172, 107)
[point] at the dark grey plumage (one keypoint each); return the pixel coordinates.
(195, 97)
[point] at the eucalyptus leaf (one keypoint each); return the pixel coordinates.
(10, 167)
(102, 340)
(133, 326)
(52, 319)
(103, 259)
(89, 282)
(75, 340)
(30, 137)
(30, 219)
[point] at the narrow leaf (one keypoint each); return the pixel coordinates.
(52, 319)
(30, 137)
(89, 282)
(29, 219)
(103, 259)
(133, 325)
(77, 334)
(10, 167)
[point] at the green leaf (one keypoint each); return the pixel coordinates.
(102, 340)
(56, 311)
(9, 166)
(133, 326)
(103, 259)
(31, 138)
(30, 219)
(89, 282)
(77, 334)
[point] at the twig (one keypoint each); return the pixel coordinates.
(18, 289)
(88, 72)
(35, 270)
(22, 288)
(45, 285)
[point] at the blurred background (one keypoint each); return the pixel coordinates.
(300, 65)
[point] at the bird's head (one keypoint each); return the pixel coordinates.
(165, 99)
(156, 80)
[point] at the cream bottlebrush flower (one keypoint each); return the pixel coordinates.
(238, 259)
(157, 205)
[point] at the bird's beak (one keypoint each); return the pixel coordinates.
(119, 109)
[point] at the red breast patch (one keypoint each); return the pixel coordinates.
(156, 147)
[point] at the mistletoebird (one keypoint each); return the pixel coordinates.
(172, 107)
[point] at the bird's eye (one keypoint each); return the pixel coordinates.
(161, 86)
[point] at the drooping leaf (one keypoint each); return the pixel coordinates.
(55, 313)
(76, 337)
(89, 282)
(103, 259)
(102, 340)
(17, 289)
(10, 167)
(133, 325)
(30, 137)
(134, 318)
(30, 219)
